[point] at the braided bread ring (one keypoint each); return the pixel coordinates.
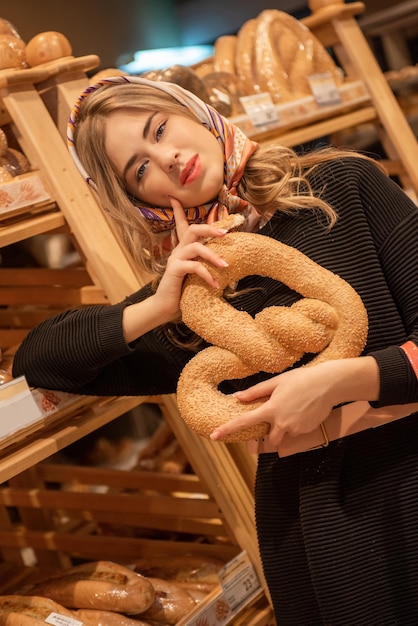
(244, 57)
(270, 72)
(276, 53)
(331, 320)
(224, 54)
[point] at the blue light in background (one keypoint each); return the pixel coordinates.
(162, 58)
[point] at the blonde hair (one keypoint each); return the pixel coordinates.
(275, 177)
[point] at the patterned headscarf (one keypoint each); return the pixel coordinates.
(237, 149)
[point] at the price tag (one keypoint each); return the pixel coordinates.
(56, 619)
(238, 580)
(222, 96)
(324, 89)
(260, 109)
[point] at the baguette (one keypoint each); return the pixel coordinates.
(197, 593)
(171, 603)
(100, 585)
(93, 617)
(21, 619)
(186, 568)
(18, 610)
(160, 439)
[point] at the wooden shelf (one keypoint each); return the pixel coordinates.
(29, 227)
(324, 127)
(64, 431)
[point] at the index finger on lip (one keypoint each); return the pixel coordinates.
(179, 217)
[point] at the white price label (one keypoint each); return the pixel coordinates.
(56, 619)
(324, 89)
(260, 109)
(238, 580)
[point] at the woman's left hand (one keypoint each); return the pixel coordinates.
(296, 403)
(300, 399)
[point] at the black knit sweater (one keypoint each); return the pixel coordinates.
(338, 527)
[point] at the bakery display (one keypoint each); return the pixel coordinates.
(100, 585)
(105, 593)
(273, 53)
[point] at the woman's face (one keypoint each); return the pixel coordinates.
(159, 155)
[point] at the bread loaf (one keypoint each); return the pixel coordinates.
(225, 91)
(276, 53)
(224, 52)
(92, 617)
(245, 59)
(16, 610)
(171, 602)
(97, 585)
(186, 568)
(181, 75)
(271, 75)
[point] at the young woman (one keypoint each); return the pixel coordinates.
(338, 526)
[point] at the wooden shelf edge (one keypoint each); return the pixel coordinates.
(29, 227)
(46, 442)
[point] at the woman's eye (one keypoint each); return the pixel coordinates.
(160, 130)
(140, 171)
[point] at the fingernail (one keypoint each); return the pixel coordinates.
(222, 231)
(224, 263)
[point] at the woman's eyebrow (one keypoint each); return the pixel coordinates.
(148, 124)
(145, 133)
(128, 166)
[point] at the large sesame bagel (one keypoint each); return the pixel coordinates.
(329, 321)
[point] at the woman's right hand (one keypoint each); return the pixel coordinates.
(185, 259)
(164, 305)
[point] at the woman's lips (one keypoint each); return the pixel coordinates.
(191, 171)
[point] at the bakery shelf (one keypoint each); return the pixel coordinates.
(306, 112)
(299, 134)
(24, 450)
(21, 229)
